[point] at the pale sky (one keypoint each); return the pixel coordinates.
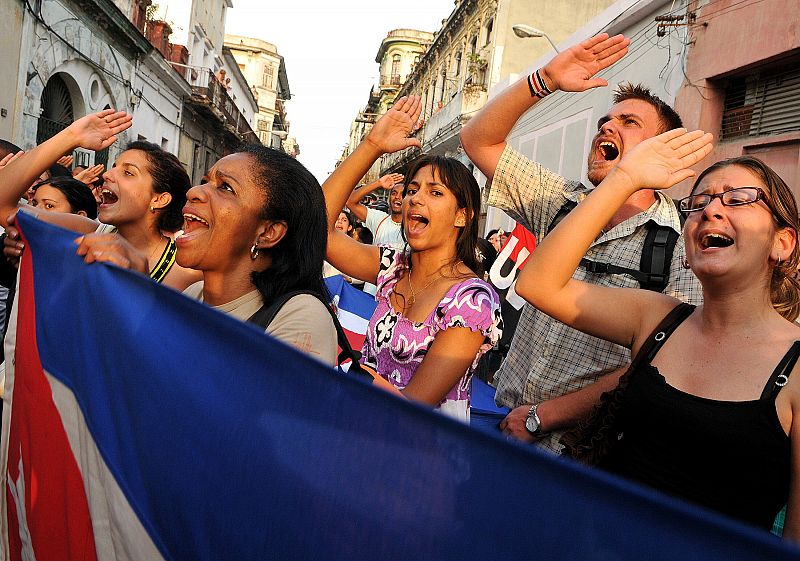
(329, 49)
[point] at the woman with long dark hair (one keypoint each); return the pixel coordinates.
(435, 315)
(708, 410)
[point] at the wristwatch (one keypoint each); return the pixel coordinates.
(532, 422)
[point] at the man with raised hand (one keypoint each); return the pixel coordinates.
(549, 362)
(386, 228)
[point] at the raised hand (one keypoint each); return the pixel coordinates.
(572, 70)
(391, 132)
(10, 158)
(664, 160)
(89, 175)
(390, 180)
(65, 161)
(98, 131)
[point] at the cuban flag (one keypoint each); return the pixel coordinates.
(141, 425)
(354, 309)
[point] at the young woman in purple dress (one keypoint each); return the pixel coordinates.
(435, 315)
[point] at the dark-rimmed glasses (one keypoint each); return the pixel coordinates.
(733, 197)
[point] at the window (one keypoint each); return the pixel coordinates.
(489, 29)
(766, 101)
(395, 70)
(268, 76)
(473, 45)
(444, 85)
(457, 64)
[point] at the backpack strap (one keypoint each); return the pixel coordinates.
(565, 209)
(266, 314)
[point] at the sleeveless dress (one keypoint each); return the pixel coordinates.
(730, 456)
(395, 346)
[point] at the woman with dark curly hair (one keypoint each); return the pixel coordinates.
(708, 410)
(65, 194)
(435, 316)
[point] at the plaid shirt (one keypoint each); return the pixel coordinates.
(547, 359)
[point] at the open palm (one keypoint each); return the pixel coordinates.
(573, 69)
(391, 132)
(98, 131)
(664, 160)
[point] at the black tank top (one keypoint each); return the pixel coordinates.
(730, 456)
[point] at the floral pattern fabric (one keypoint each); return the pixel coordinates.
(395, 346)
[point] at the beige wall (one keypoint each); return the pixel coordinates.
(10, 41)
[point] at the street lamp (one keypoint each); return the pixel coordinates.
(526, 31)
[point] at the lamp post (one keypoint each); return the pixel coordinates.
(526, 31)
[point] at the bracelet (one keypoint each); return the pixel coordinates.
(538, 86)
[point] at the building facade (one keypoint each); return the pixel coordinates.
(749, 98)
(265, 70)
(474, 50)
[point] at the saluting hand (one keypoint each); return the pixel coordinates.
(98, 131)
(391, 132)
(664, 160)
(572, 70)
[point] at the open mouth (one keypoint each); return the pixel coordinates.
(715, 240)
(416, 223)
(192, 222)
(608, 151)
(108, 197)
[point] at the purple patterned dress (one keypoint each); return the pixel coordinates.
(395, 346)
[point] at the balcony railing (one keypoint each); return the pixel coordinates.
(207, 91)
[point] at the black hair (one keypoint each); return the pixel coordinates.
(491, 233)
(7, 148)
(78, 195)
(363, 235)
(294, 196)
(169, 176)
(667, 115)
(460, 181)
(57, 170)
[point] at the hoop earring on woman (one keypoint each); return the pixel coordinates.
(778, 261)
(254, 252)
(685, 263)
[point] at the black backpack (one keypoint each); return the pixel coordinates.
(654, 266)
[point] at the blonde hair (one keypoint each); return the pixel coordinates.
(784, 285)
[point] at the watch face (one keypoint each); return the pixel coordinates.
(531, 424)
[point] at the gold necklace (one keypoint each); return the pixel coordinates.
(424, 288)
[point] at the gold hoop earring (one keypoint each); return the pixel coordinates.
(254, 252)
(685, 263)
(778, 261)
(153, 210)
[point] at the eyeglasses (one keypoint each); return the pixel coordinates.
(734, 197)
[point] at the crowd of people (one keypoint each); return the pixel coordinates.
(684, 384)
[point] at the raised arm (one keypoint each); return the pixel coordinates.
(484, 136)
(610, 313)
(94, 132)
(354, 200)
(389, 134)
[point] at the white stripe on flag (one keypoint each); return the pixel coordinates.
(352, 322)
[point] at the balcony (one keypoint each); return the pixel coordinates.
(390, 82)
(211, 98)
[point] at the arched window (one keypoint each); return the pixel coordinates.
(457, 64)
(57, 113)
(489, 29)
(443, 91)
(395, 70)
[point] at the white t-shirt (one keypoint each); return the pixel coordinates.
(385, 231)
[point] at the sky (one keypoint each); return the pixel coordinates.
(329, 49)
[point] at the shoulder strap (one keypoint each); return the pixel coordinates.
(660, 334)
(656, 259)
(265, 314)
(565, 209)
(780, 376)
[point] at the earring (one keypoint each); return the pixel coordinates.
(778, 261)
(685, 263)
(153, 210)
(254, 252)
